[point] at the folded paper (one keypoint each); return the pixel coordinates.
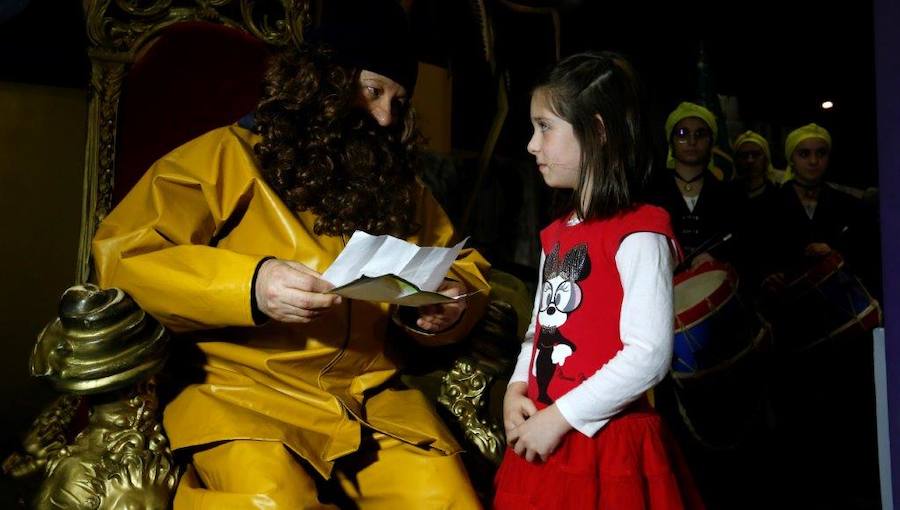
(387, 269)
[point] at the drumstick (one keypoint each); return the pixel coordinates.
(707, 245)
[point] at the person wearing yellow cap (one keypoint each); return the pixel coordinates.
(814, 218)
(297, 401)
(752, 161)
(705, 213)
(759, 183)
(704, 210)
(821, 314)
(807, 150)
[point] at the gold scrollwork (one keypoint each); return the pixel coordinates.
(45, 439)
(106, 86)
(154, 8)
(128, 24)
(463, 393)
(121, 459)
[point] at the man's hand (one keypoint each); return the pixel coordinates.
(517, 407)
(539, 435)
(434, 318)
(288, 291)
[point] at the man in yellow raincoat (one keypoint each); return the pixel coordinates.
(224, 239)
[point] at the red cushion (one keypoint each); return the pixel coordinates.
(195, 77)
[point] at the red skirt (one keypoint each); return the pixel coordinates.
(632, 463)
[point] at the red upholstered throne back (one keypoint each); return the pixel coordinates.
(195, 77)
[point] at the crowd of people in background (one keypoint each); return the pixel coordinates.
(775, 301)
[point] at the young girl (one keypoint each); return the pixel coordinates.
(581, 433)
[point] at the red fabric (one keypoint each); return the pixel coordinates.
(195, 77)
(592, 328)
(631, 464)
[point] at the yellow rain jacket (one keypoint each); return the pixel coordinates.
(185, 244)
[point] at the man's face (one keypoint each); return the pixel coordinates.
(750, 160)
(691, 141)
(382, 97)
(810, 159)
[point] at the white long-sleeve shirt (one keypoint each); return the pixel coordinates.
(645, 264)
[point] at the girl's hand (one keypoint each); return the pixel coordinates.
(539, 436)
(517, 408)
(288, 291)
(433, 318)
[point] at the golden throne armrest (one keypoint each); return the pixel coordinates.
(100, 444)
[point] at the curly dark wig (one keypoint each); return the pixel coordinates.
(323, 153)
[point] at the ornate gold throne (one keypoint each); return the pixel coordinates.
(164, 72)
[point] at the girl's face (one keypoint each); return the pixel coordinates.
(810, 160)
(554, 145)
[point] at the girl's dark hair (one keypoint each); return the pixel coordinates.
(321, 152)
(616, 149)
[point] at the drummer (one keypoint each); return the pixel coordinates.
(704, 210)
(816, 224)
(813, 218)
(760, 182)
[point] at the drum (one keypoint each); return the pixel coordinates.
(827, 302)
(719, 388)
(713, 328)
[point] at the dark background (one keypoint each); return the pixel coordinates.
(779, 59)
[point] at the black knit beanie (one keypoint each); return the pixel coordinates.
(370, 34)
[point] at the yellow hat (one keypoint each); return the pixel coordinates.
(804, 133)
(684, 111)
(753, 137)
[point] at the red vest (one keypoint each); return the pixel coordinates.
(577, 328)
